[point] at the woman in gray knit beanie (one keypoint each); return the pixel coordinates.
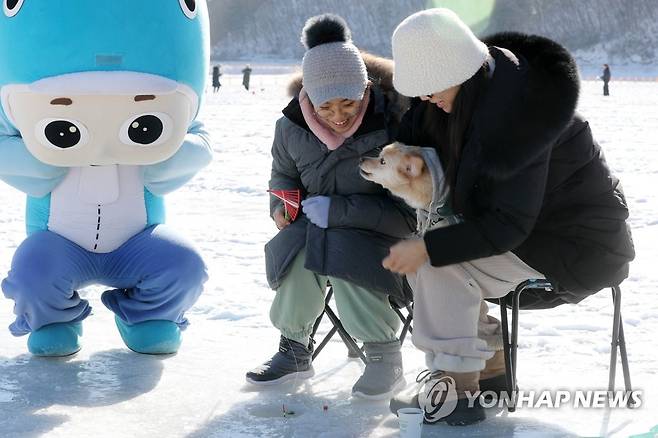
(345, 225)
(334, 78)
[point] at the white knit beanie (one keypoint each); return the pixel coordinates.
(434, 50)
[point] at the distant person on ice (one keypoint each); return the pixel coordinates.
(348, 223)
(246, 77)
(216, 73)
(606, 78)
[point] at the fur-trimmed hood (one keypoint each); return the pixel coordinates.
(517, 124)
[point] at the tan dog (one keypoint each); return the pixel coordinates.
(401, 169)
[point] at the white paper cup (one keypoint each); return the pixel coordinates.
(411, 422)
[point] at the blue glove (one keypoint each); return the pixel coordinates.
(316, 210)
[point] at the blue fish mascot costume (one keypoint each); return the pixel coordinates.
(97, 123)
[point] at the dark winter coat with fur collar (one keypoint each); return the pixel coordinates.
(364, 221)
(531, 179)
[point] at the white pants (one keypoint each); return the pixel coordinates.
(451, 324)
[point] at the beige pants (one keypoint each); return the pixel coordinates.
(451, 324)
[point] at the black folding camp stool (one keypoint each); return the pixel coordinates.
(511, 342)
(354, 351)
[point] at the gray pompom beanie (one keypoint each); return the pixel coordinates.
(332, 66)
(434, 50)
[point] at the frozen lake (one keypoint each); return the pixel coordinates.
(106, 390)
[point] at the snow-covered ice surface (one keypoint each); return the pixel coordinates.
(106, 390)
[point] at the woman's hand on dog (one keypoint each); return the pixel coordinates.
(406, 257)
(280, 218)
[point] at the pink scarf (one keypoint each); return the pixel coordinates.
(330, 138)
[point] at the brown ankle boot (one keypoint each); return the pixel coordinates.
(440, 405)
(443, 398)
(492, 377)
(465, 382)
(494, 367)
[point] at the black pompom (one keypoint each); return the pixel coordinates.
(323, 29)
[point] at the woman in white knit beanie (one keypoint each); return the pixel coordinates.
(535, 197)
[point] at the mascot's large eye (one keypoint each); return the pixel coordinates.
(11, 7)
(61, 133)
(146, 130)
(189, 8)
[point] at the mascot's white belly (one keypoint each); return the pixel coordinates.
(99, 207)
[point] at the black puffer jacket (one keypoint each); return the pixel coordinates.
(531, 179)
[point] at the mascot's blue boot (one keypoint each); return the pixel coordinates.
(56, 340)
(150, 337)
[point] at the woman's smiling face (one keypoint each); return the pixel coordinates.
(338, 114)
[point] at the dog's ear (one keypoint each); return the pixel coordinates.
(413, 165)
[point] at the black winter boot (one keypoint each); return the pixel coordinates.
(292, 361)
